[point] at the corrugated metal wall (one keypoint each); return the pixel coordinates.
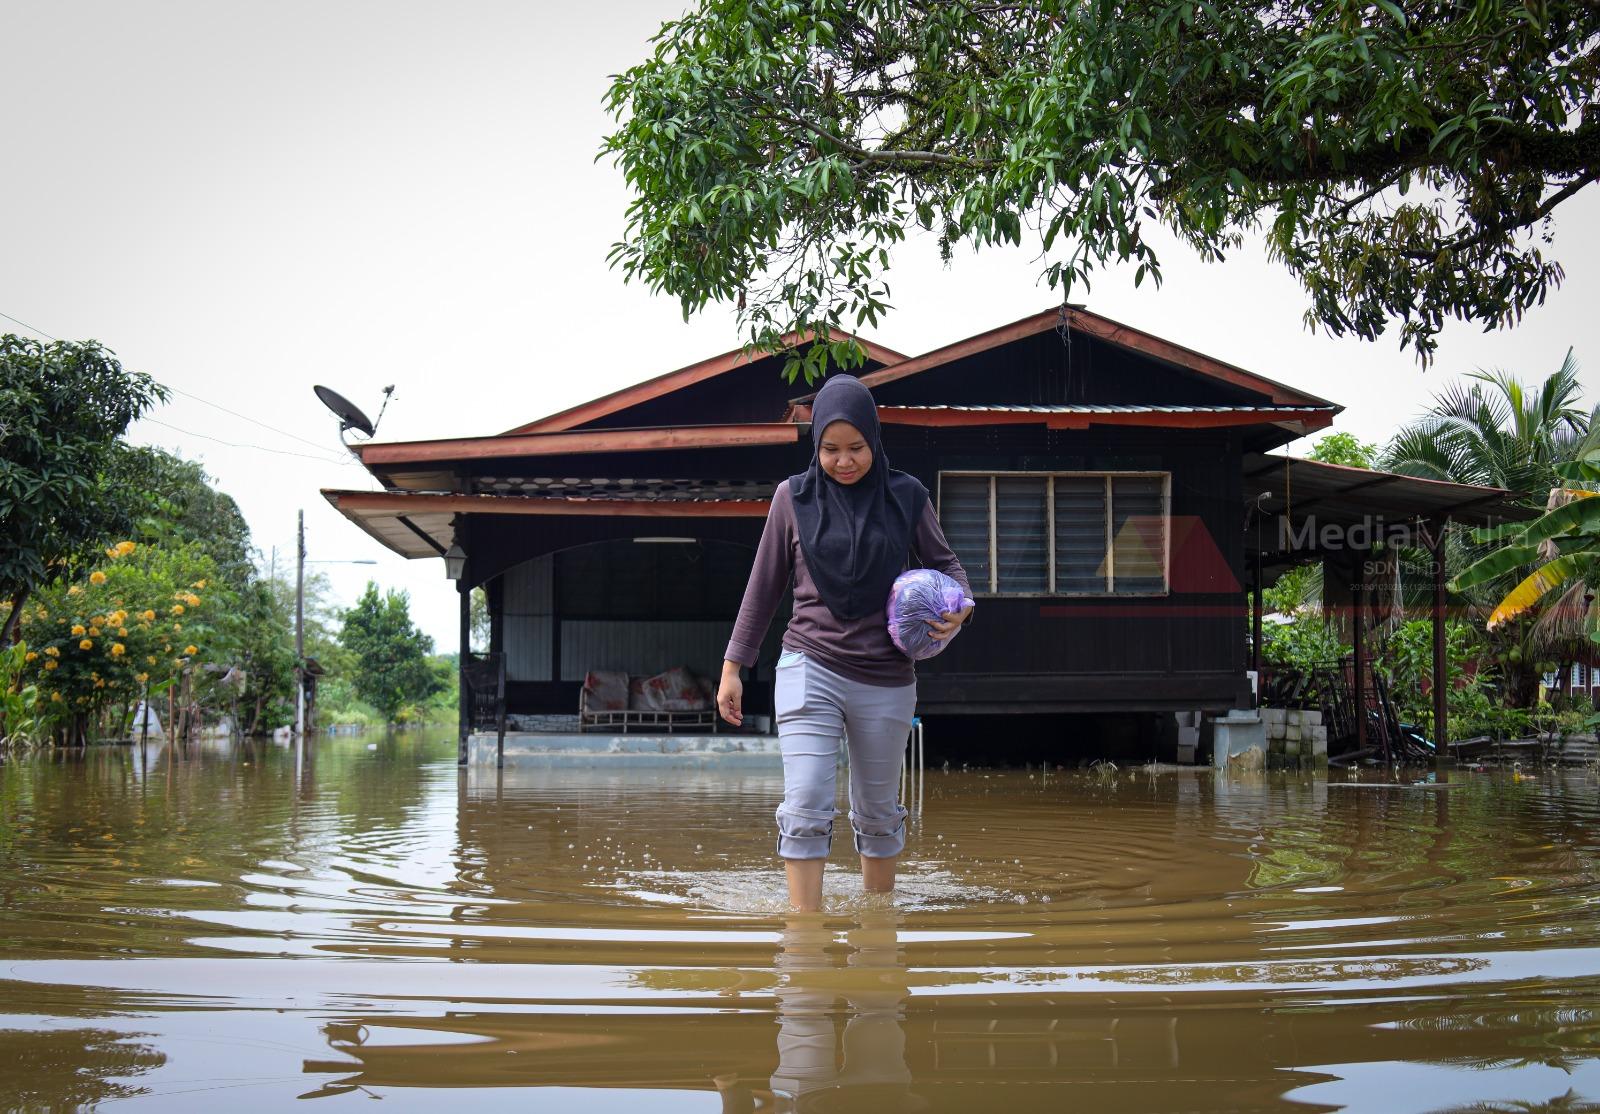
(642, 646)
(529, 623)
(637, 646)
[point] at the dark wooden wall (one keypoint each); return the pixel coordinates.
(1041, 370)
(1182, 650)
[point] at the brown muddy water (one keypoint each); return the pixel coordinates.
(220, 934)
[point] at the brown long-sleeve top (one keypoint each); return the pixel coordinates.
(859, 649)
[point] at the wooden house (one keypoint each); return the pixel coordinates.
(1105, 489)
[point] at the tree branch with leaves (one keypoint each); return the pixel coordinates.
(1402, 160)
(67, 481)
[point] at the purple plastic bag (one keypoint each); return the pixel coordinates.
(919, 595)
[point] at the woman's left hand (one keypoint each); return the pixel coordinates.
(944, 628)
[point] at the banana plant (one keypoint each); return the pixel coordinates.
(1564, 543)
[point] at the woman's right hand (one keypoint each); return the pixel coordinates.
(730, 695)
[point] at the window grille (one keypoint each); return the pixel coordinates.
(1059, 533)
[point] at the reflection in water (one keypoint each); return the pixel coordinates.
(71, 1068)
(873, 1074)
(383, 925)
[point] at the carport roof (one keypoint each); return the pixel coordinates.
(1344, 494)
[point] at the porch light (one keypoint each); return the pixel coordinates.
(455, 561)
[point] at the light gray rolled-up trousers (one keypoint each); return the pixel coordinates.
(815, 707)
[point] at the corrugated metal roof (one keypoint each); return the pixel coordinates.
(1338, 493)
(573, 487)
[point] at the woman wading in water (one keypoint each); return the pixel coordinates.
(842, 530)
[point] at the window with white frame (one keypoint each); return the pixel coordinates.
(1059, 533)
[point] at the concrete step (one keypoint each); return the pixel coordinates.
(656, 751)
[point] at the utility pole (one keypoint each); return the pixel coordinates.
(300, 638)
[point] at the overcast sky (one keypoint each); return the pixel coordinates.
(245, 200)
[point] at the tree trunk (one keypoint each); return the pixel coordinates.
(8, 633)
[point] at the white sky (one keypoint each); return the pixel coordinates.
(245, 200)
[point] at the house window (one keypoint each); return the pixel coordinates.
(1059, 533)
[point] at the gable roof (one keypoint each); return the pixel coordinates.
(1112, 332)
(665, 384)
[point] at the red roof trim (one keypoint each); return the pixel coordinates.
(1203, 419)
(377, 455)
(676, 380)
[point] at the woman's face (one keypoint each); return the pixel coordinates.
(844, 453)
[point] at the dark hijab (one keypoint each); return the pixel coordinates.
(855, 537)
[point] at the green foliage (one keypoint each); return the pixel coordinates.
(1405, 661)
(1296, 589)
(266, 654)
(1571, 530)
(65, 484)
(442, 705)
(22, 720)
(479, 616)
(1303, 642)
(1398, 157)
(338, 704)
(1571, 722)
(179, 504)
(1346, 449)
(392, 654)
(1480, 715)
(1493, 430)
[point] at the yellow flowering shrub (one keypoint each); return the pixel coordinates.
(97, 642)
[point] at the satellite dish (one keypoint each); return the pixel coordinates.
(348, 413)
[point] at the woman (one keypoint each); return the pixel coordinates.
(843, 530)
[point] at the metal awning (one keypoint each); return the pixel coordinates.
(1315, 496)
(1343, 494)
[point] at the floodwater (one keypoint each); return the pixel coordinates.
(224, 932)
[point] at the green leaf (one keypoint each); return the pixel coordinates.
(1585, 470)
(1581, 516)
(1496, 564)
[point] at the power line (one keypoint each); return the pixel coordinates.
(29, 327)
(238, 445)
(217, 405)
(246, 417)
